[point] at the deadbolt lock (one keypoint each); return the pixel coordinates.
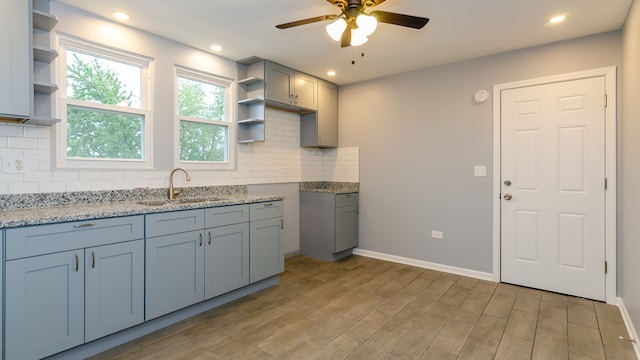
(507, 182)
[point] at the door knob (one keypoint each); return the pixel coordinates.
(507, 196)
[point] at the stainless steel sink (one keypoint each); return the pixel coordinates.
(167, 202)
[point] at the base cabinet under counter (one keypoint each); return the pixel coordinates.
(70, 287)
(328, 224)
(59, 300)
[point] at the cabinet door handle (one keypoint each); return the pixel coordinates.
(77, 263)
(357, 210)
(281, 223)
(201, 239)
(291, 99)
(209, 238)
(296, 101)
(90, 224)
(93, 260)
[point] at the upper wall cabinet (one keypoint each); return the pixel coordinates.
(15, 60)
(264, 83)
(251, 100)
(320, 129)
(44, 54)
(26, 71)
(290, 89)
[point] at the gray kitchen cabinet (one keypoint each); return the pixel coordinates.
(44, 54)
(49, 283)
(266, 237)
(328, 224)
(320, 129)
(289, 88)
(44, 304)
(15, 60)
(227, 249)
(251, 100)
(174, 268)
(114, 288)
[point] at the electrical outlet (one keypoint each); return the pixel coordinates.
(436, 234)
(12, 164)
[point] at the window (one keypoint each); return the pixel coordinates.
(104, 108)
(203, 120)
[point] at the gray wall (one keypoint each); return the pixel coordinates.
(630, 207)
(420, 134)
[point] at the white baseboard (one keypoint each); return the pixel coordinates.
(629, 325)
(425, 264)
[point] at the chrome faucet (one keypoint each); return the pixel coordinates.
(172, 191)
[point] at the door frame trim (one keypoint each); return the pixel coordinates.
(609, 74)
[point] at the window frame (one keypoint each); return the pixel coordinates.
(66, 42)
(229, 122)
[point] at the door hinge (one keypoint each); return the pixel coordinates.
(606, 267)
(605, 100)
(606, 183)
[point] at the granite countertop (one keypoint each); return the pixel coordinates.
(107, 205)
(330, 187)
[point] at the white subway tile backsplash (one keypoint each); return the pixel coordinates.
(37, 132)
(53, 186)
(23, 187)
(79, 186)
(38, 176)
(277, 160)
(90, 175)
(22, 143)
(39, 154)
(101, 185)
(10, 130)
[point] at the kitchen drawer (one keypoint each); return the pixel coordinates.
(266, 210)
(46, 239)
(346, 199)
(226, 215)
(174, 222)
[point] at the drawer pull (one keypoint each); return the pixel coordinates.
(93, 260)
(269, 204)
(281, 223)
(209, 238)
(200, 239)
(84, 225)
(77, 263)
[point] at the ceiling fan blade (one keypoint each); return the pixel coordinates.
(306, 21)
(346, 37)
(414, 22)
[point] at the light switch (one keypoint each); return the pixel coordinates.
(480, 170)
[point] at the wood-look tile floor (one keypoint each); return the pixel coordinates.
(361, 308)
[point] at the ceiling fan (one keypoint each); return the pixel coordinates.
(353, 25)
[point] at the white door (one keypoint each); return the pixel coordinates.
(553, 187)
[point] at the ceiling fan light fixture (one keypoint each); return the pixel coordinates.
(367, 24)
(358, 37)
(336, 28)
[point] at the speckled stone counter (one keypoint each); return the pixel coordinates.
(47, 208)
(330, 187)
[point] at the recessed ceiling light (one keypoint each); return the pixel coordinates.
(331, 73)
(557, 19)
(216, 47)
(120, 15)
